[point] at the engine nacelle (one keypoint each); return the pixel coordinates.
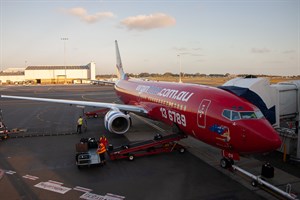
(117, 122)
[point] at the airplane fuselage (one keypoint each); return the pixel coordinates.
(206, 113)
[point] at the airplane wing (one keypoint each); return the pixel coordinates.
(129, 108)
(103, 82)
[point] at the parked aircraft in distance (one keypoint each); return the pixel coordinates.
(212, 115)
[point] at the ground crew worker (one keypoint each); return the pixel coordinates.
(104, 141)
(79, 124)
(101, 152)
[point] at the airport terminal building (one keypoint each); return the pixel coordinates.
(51, 74)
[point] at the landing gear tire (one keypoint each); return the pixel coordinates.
(182, 150)
(130, 157)
(226, 163)
(254, 183)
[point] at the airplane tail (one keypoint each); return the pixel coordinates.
(121, 74)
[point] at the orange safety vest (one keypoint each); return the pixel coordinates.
(101, 149)
(104, 141)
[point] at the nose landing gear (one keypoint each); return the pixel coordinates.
(226, 163)
(228, 159)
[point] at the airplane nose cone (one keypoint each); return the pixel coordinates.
(270, 140)
(260, 137)
(275, 141)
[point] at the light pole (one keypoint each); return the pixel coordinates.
(179, 68)
(65, 39)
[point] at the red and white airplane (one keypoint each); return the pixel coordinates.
(212, 115)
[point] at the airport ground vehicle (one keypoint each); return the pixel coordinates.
(86, 150)
(96, 113)
(3, 129)
(3, 133)
(86, 153)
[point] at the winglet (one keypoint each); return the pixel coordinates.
(121, 74)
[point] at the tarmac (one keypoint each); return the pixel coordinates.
(38, 162)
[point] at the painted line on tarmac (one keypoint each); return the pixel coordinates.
(53, 187)
(115, 196)
(30, 177)
(10, 172)
(82, 189)
(108, 196)
(41, 135)
(55, 182)
(91, 196)
(58, 187)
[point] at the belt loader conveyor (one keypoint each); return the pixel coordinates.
(159, 144)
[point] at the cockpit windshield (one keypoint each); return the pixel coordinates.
(238, 115)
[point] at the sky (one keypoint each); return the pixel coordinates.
(207, 37)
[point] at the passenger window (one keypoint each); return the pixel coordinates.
(235, 115)
(226, 114)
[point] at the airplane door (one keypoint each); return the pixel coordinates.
(201, 115)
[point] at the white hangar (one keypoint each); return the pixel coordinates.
(12, 77)
(53, 74)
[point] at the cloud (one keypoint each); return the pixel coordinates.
(197, 49)
(289, 51)
(260, 50)
(147, 22)
(191, 54)
(188, 51)
(84, 16)
(274, 62)
(180, 49)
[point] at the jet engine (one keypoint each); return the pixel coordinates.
(117, 122)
